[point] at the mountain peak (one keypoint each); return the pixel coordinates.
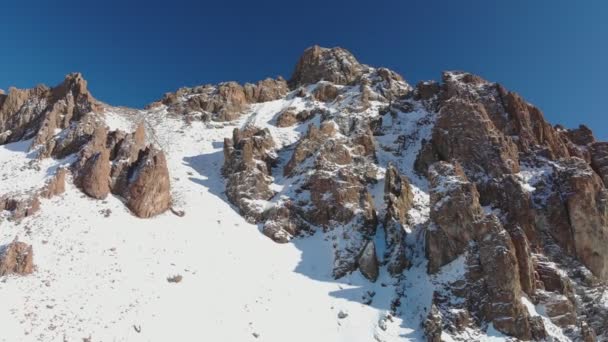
(335, 64)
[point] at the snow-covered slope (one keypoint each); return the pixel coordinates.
(201, 271)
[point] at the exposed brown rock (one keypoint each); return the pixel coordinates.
(149, 191)
(582, 135)
(464, 132)
(599, 160)
(16, 258)
(335, 65)
(368, 262)
(426, 90)
(248, 159)
(581, 196)
(500, 267)
(283, 223)
(325, 92)
(587, 333)
(455, 211)
(94, 178)
(287, 118)
(399, 200)
(56, 185)
(266, 90)
(432, 325)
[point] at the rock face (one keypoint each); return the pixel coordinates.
(335, 65)
(248, 159)
(462, 176)
(67, 121)
(95, 175)
(148, 184)
(16, 258)
(505, 189)
(399, 200)
(222, 102)
(455, 214)
(37, 112)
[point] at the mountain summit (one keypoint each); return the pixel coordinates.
(342, 204)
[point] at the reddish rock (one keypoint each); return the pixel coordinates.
(455, 210)
(94, 177)
(149, 191)
(16, 258)
(335, 65)
(56, 185)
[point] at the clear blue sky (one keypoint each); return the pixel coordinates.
(554, 53)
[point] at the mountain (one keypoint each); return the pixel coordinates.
(342, 204)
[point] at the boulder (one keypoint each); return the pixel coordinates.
(149, 191)
(368, 262)
(16, 258)
(94, 177)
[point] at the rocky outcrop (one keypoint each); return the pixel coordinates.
(222, 102)
(94, 177)
(335, 65)
(455, 213)
(499, 265)
(581, 196)
(599, 160)
(148, 190)
(38, 112)
(368, 262)
(16, 258)
(325, 92)
(399, 200)
(248, 160)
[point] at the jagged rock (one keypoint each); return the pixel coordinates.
(309, 144)
(94, 177)
(397, 194)
(37, 112)
(16, 258)
(20, 206)
(368, 262)
(524, 260)
(559, 309)
(465, 132)
(56, 185)
(325, 92)
(529, 124)
(599, 160)
(287, 118)
(432, 325)
(283, 223)
(581, 196)
(500, 267)
(455, 210)
(582, 135)
(248, 159)
(399, 200)
(266, 90)
(149, 191)
(426, 90)
(335, 65)
(587, 333)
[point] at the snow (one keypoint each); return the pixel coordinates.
(21, 172)
(106, 277)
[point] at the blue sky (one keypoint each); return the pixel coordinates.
(554, 53)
